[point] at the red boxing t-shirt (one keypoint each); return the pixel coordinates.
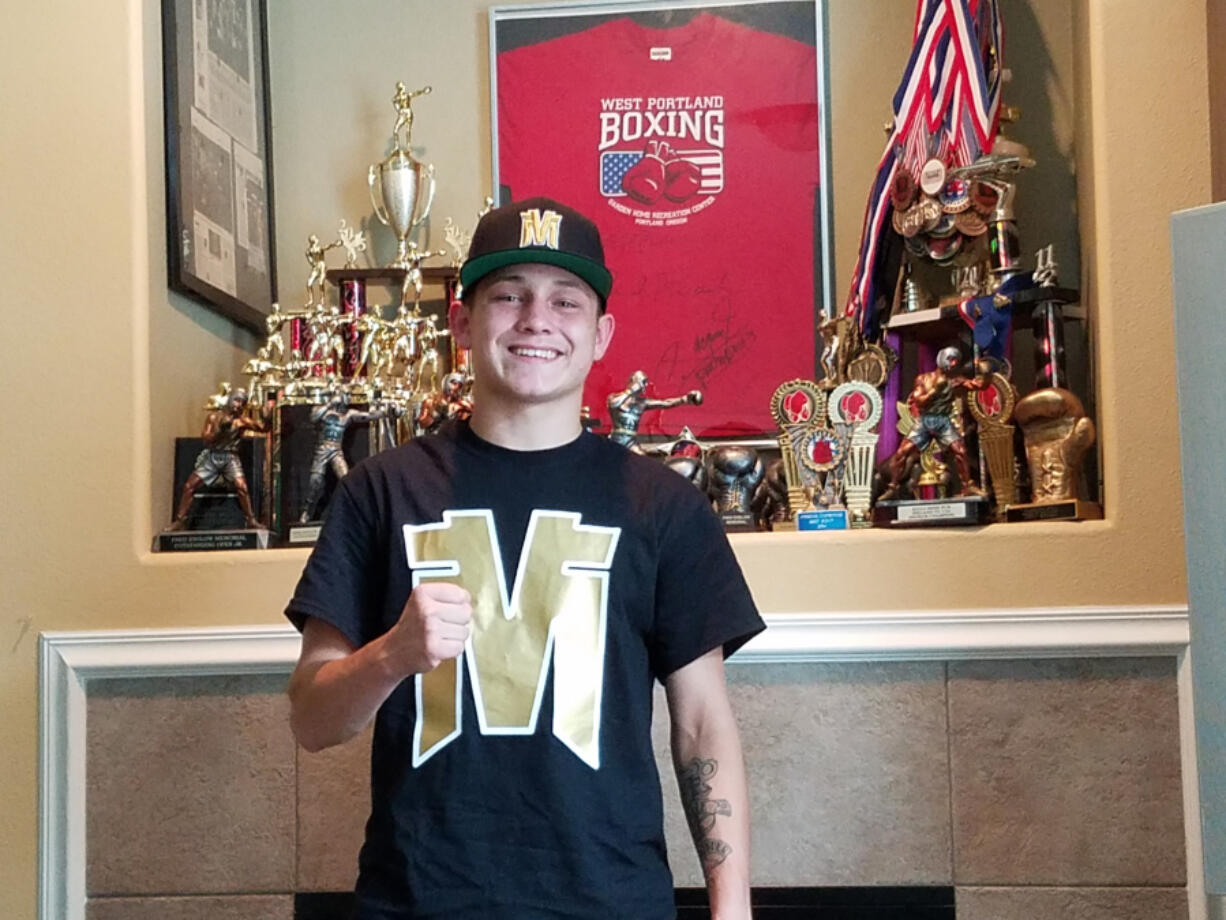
(694, 149)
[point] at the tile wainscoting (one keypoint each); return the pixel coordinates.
(1029, 759)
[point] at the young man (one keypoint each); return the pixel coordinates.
(499, 597)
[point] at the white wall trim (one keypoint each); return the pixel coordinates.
(1030, 632)
(67, 660)
(1189, 766)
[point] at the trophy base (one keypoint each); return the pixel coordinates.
(1071, 509)
(826, 519)
(963, 511)
(303, 534)
(192, 541)
(860, 517)
(738, 522)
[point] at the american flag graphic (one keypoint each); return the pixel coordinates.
(614, 164)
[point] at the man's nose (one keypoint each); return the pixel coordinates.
(534, 315)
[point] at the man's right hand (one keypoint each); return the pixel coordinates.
(434, 625)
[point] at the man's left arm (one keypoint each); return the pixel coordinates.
(706, 749)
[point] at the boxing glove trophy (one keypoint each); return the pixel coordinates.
(733, 475)
(1057, 434)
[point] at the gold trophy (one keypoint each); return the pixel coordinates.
(405, 186)
(1058, 434)
(858, 406)
(992, 408)
(812, 454)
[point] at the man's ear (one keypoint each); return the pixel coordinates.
(605, 324)
(459, 322)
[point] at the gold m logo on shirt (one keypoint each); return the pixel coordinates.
(557, 609)
(537, 229)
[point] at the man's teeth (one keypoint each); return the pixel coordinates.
(535, 352)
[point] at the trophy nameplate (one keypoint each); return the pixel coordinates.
(186, 541)
(827, 519)
(738, 522)
(962, 511)
(1072, 509)
(303, 534)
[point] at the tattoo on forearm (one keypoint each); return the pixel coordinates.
(701, 810)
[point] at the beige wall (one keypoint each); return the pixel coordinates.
(106, 368)
(1217, 93)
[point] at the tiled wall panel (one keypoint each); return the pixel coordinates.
(849, 780)
(1063, 774)
(190, 786)
(1066, 773)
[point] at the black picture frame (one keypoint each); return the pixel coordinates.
(220, 226)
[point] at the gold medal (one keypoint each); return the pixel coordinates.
(970, 223)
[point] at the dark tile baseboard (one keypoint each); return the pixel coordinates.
(852, 903)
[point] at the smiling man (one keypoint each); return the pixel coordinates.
(499, 598)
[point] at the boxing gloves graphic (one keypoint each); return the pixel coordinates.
(644, 181)
(681, 178)
(661, 174)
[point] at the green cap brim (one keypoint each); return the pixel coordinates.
(594, 274)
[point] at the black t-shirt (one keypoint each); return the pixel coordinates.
(519, 781)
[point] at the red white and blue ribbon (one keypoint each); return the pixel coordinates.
(947, 106)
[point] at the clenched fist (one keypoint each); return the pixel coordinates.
(434, 625)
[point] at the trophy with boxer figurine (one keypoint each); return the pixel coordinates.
(626, 408)
(215, 507)
(933, 421)
(399, 200)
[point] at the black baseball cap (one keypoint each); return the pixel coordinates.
(538, 230)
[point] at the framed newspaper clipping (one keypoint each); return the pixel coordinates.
(695, 135)
(219, 198)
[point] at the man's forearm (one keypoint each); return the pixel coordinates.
(711, 776)
(332, 700)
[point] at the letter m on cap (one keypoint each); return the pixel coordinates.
(539, 229)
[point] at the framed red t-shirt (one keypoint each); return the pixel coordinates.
(693, 142)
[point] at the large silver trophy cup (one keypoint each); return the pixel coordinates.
(405, 185)
(399, 200)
